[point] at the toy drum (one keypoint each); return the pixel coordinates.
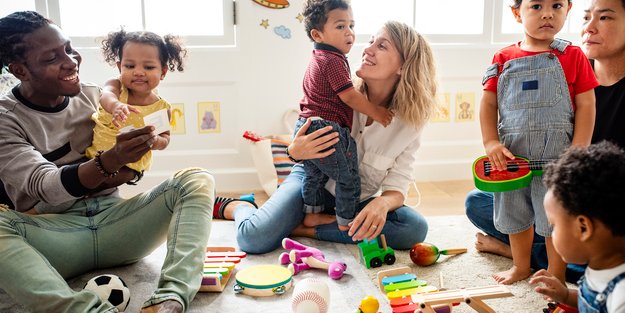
(263, 280)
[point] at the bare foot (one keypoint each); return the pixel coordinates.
(229, 209)
(513, 275)
(168, 306)
(303, 231)
(312, 220)
(485, 243)
(343, 227)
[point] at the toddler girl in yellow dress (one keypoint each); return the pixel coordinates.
(143, 59)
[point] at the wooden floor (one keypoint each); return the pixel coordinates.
(437, 198)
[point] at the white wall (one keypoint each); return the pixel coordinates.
(260, 78)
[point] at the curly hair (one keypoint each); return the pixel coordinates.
(170, 48)
(591, 181)
(316, 13)
(414, 97)
(13, 28)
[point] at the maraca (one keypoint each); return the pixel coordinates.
(425, 254)
(369, 304)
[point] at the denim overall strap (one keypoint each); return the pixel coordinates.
(590, 301)
(559, 44)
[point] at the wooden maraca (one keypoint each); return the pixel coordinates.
(424, 254)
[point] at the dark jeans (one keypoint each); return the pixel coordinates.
(342, 166)
(479, 209)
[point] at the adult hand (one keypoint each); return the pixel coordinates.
(370, 221)
(552, 288)
(313, 145)
(132, 145)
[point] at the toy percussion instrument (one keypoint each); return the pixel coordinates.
(263, 280)
(219, 264)
(425, 254)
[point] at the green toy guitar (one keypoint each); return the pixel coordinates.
(518, 174)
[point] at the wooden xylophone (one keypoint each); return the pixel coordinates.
(219, 264)
(408, 294)
(399, 284)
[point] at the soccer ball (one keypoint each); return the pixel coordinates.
(110, 288)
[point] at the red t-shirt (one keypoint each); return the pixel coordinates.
(326, 77)
(577, 70)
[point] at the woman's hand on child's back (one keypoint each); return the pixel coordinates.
(498, 155)
(315, 145)
(121, 111)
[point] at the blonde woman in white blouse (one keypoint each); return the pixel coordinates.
(397, 72)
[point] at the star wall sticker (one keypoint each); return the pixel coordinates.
(300, 17)
(264, 23)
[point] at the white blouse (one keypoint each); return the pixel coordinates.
(386, 156)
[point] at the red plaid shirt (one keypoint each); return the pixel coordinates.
(326, 77)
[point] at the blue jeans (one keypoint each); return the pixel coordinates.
(262, 230)
(342, 166)
(38, 252)
(479, 209)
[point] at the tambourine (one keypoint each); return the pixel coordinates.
(263, 280)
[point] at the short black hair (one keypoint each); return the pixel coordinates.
(13, 28)
(517, 3)
(170, 48)
(316, 13)
(591, 181)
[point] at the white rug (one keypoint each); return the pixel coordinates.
(466, 270)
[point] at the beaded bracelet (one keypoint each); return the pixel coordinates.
(98, 164)
(290, 157)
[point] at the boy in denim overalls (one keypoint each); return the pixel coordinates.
(584, 203)
(538, 99)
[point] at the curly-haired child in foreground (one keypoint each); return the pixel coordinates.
(585, 203)
(143, 59)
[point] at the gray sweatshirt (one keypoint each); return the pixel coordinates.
(41, 147)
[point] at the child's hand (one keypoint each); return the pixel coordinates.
(120, 113)
(551, 288)
(383, 116)
(498, 155)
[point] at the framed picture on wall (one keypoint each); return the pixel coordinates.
(465, 107)
(443, 105)
(208, 117)
(177, 122)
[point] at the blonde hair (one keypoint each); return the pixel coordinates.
(414, 99)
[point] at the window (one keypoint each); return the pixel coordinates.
(9, 6)
(201, 23)
(464, 23)
(454, 21)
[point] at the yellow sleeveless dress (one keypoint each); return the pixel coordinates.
(104, 132)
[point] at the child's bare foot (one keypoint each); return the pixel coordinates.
(316, 219)
(169, 306)
(343, 227)
(303, 231)
(485, 243)
(513, 275)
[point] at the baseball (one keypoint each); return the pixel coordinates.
(311, 296)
